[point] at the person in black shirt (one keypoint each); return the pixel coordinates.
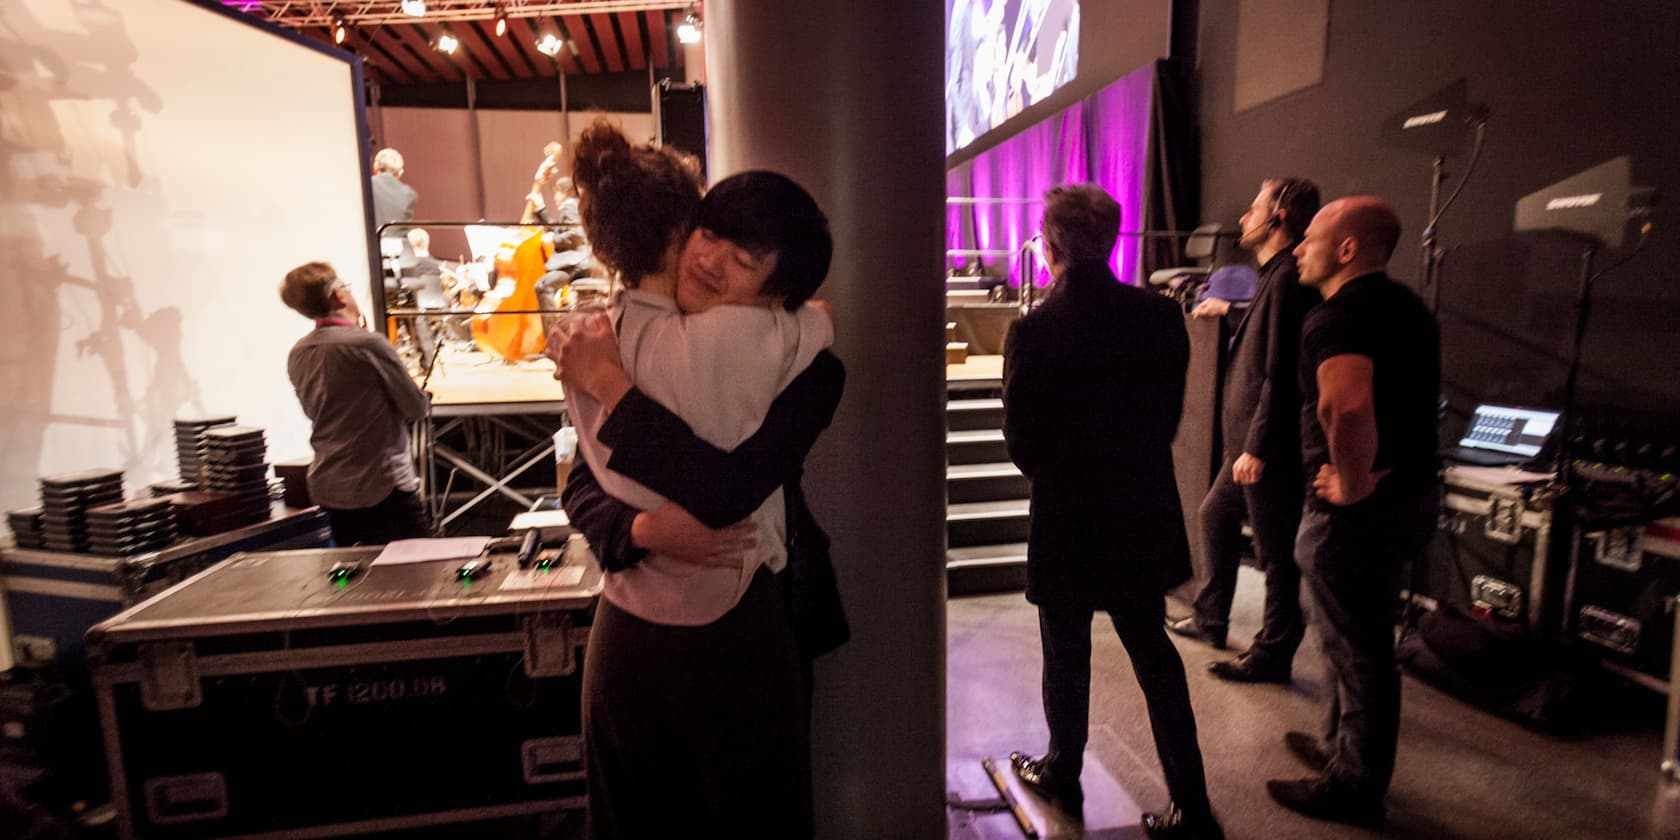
(1260, 478)
(1370, 375)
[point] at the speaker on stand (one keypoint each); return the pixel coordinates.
(679, 112)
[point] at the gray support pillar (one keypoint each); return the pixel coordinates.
(847, 98)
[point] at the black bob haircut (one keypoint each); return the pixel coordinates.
(767, 212)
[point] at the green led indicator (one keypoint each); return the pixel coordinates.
(341, 581)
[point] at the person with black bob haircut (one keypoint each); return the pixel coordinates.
(695, 707)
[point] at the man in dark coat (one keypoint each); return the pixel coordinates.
(1260, 475)
(1093, 386)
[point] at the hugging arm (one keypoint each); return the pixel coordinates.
(654, 446)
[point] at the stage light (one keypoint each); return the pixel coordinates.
(501, 20)
(339, 31)
(550, 44)
(446, 44)
(688, 32)
(414, 8)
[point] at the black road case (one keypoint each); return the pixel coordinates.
(270, 697)
(55, 596)
(1622, 588)
(1491, 555)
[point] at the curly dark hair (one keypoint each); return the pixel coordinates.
(634, 199)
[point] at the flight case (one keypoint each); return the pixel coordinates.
(1491, 553)
(269, 697)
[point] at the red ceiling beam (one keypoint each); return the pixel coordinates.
(508, 47)
(388, 50)
(530, 29)
(437, 63)
(658, 40)
(630, 24)
(609, 42)
(485, 57)
(578, 31)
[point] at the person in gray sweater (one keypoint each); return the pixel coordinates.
(360, 398)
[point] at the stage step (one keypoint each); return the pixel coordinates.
(984, 483)
(971, 415)
(978, 446)
(986, 523)
(981, 569)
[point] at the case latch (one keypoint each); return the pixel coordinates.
(171, 679)
(1504, 522)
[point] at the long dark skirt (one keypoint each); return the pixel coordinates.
(697, 730)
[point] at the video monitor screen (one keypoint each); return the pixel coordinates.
(1002, 57)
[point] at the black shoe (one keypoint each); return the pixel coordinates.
(1036, 773)
(1176, 825)
(1247, 669)
(1321, 799)
(1307, 750)
(1190, 628)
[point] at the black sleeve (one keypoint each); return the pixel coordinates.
(602, 519)
(657, 448)
(1273, 428)
(1330, 332)
(1023, 404)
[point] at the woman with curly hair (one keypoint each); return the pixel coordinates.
(694, 701)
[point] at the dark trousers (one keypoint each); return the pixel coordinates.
(1354, 561)
(1272, 508)
(697, 731)
(399, 516)
(1065, 633)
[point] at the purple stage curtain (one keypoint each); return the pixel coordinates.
(1102, 139)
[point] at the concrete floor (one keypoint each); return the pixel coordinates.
(1462, 773)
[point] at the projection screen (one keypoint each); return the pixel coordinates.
(163, 163)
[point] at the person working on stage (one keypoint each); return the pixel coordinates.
(359, 398)
(1370, 377)
(393, 200)
(694, 709)
(1260, 475)
(1093, 387)
(545, 183)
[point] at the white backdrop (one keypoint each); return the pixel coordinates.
(162, 166)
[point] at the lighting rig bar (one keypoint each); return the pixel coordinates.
(301, 14)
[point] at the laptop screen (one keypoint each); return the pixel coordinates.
(1504, 428)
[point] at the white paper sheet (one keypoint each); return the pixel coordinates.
(1499, 475)
(563, 577)
(425, 551)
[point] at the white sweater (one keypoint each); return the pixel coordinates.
(719, 371)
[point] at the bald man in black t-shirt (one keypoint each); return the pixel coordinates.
(1370, 378)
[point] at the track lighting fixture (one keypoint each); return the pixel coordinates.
(550, 44)
(688, 32)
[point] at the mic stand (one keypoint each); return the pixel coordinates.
(1029, 276)
(1430, 255)
(1583, 307)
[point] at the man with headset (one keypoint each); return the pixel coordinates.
(1260, 475)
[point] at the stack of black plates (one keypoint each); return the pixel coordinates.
(236, 463)
(127, 528)
(189, 445)
(65, 500)
(173, 486)
(26, 527)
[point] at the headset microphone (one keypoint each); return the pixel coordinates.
(1276, 221)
